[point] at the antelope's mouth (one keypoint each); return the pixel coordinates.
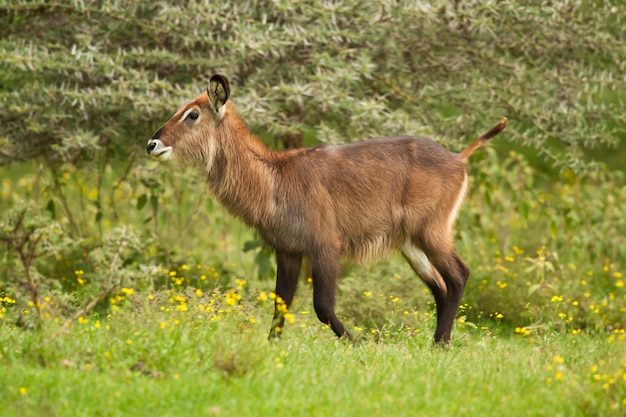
(158, 150)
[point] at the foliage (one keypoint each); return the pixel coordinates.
(101, 72)
(33, 244)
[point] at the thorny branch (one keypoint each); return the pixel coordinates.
(111, 286)
(25, 243)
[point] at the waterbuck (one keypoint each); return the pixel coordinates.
(360, 200)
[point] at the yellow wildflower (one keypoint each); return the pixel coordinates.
(290, 317)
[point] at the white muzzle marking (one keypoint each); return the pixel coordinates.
(158, 150)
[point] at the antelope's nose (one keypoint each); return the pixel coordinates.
(151, 145)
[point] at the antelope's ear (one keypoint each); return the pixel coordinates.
(218, 91)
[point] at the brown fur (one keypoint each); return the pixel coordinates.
(360, 200)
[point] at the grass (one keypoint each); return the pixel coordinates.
(149, 357)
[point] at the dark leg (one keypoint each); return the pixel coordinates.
(455, 274)
(325, 272)
(287, 272)
(422, 266)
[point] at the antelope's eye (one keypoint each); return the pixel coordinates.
(193, 115)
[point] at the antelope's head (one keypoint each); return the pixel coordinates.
(191, 133)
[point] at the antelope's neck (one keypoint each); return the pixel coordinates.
(242, 177)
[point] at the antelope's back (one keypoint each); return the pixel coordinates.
(372, 191)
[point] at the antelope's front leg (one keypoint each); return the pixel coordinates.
(287, 273)
(325, 270)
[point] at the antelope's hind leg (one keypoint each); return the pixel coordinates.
(445, 274)
(455, 274)
(287, 273)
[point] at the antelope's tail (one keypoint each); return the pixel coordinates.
(493, 132)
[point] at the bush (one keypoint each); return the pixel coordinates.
(102, 72)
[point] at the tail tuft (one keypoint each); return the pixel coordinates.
(493, 132)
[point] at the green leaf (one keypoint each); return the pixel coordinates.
(263, 261)
(251, 245)
(51, 208)
(141, 201)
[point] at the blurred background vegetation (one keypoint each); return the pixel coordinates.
(83, 84)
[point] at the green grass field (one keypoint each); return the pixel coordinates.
(150, 356)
